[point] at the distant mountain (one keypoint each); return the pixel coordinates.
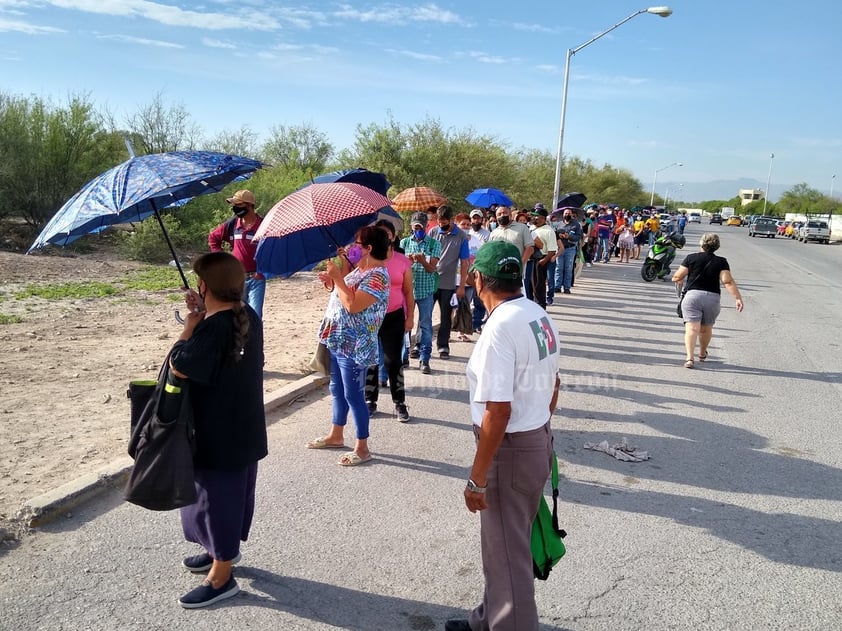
(719, 189)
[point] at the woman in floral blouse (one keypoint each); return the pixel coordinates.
(352, 319)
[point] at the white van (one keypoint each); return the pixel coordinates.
(694, 217)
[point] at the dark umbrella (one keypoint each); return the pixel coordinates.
(558, 212)
(310, 224)
(573, 200)
(369, 179)
(140, 187)
(488, 197)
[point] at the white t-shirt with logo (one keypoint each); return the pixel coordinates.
(515, 360)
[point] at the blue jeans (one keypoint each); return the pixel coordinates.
(347, 385)
(425, 327)
(603, 250)
(551, 282)
(479, 311)
(255, 291)
(564, 269)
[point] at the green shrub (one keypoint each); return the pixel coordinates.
(164, 278)
(91, 289)
(10, 319)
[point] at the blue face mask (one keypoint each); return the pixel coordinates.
(419, 234)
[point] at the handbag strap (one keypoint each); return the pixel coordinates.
(554, 478)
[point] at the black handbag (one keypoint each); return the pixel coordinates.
(163, 444)
(678, 311)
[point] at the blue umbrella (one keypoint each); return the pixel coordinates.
(487, 197)
(140, 187)
(369, 179)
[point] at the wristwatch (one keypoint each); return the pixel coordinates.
(473, 487)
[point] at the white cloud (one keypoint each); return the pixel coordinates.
(413, 55)
(534, 28)
(548, 68)
(128, 39)
(216, 43)
(609, 80)
(172, 15)
(26, 28)
(400, 15)
(316, 48)
(486, 58)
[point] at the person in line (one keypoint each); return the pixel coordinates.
(641, 235)
(220, 353)
(570, 234)
(239, 233)
(353, 316)
(453, 272)
(397, 322)
(700, 275)
(479, 235)
(654, 225)
(513, 383)
(604, 226)
(626, 243)
(547, 236)
(515, 233)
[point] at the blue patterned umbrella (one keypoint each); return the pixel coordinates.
(140, 187)
(369, 179)
(488, 197)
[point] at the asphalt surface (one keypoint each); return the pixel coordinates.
(734, 523)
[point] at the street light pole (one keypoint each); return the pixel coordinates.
(832, 179)
(768, 181)
(661, 11)
(655, 179)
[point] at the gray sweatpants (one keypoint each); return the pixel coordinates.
(515, 483)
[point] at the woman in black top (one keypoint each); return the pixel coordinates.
(703, 271)
(220, 352)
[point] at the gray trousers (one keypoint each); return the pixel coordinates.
(515, 483)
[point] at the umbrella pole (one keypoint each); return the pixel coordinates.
(172, 248)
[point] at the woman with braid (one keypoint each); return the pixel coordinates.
(220, 352)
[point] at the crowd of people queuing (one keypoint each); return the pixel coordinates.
(507, 265)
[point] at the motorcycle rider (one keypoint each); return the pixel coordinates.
(668, 244)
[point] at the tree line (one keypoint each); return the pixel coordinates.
(48, 151)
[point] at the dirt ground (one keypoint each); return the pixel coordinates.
(65, 367)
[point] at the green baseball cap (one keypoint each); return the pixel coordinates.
(498, 259)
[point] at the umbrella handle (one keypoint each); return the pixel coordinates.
(172, 248)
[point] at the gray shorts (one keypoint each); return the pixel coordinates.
(700, 306)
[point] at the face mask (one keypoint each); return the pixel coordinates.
(492, 225)
(477, 225)
(419, 234)
(354, 254)
(241, 211)
(445, 227)
(505, 220)
(567, 218)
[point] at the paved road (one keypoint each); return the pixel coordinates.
(734, 523)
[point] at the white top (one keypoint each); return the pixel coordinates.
(515, 360)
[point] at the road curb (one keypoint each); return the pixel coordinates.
(52, 504)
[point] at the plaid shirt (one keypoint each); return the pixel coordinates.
(425, 282)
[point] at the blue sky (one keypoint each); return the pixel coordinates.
(718, 86)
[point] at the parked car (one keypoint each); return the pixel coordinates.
(792, 229)
(694, 217)
(763, 227)
(734, 220)
(666, 223)
(814, 230)
(716, 218)
(782, 225)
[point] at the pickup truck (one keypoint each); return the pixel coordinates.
(814, 230)
(763, 227)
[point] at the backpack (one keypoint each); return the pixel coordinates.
(547, 545)
(230, 226)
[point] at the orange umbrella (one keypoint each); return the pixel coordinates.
(418, 198)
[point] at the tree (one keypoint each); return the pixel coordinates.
(239, 142)
(301, 147)
(801, 200)
(48, 152)
(157, 128)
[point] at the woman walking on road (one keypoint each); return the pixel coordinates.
(352, 319)
(220, 352)
(703, 271)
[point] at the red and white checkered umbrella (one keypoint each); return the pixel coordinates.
(309, 225)
(320, 205)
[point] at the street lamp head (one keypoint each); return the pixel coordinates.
(664, 12)
(679, 164)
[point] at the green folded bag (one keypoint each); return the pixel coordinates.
(547, 544)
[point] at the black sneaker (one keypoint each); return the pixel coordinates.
(444, 354)
(566, 291)
(372, 406)
(205, 594)
(401, 412)
(425, 367)
(457, 625)
(203, 562)
(383, 384)
(414, 353)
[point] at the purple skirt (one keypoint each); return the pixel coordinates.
(222, 514)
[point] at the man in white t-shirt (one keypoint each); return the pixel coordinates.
(513, 380)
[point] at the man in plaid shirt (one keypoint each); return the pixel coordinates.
(424, 252)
